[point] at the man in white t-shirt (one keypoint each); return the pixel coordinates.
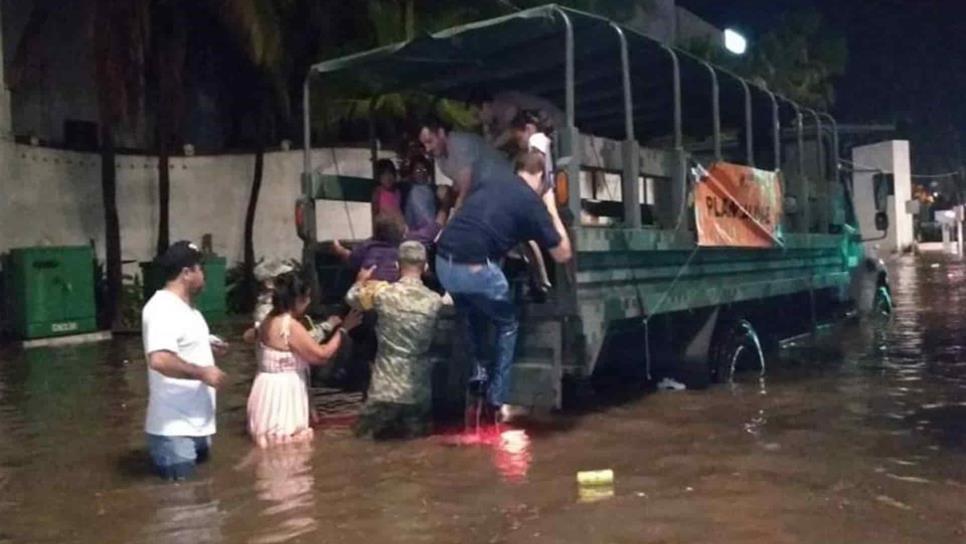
(182, 375)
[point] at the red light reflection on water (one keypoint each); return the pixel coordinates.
(510, 447)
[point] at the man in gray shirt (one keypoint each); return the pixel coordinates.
(465, 158)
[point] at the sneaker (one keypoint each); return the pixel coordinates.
(508, 412)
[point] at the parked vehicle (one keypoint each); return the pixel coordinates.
(651, 134)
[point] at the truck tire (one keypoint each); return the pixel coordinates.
(737, 349)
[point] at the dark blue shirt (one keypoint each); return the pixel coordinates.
(495, 217)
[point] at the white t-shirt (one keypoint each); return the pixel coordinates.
(177, 407)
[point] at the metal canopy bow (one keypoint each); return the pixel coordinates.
(527, 51)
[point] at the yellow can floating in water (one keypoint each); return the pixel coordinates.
(595, 477)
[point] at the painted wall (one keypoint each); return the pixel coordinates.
(890, 157)
(53, 197)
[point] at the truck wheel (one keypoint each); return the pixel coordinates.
(882, 305)
(737, 349)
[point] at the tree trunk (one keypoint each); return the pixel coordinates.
(169, 62)
(164, 196)
(112, 229)
(410, 17)
(252, 287)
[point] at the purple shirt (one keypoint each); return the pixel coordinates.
(376, 253)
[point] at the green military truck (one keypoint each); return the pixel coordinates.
(676, 268)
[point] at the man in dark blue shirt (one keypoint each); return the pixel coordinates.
(497, 215)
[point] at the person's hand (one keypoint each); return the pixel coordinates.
(213, 376)
(365, 274)
(220, 350)
(334, 321)
(218, 346)
(352, 320)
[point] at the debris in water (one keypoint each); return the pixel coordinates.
(595, 477)
(594, 493)
(912, 479)
(892, 502)
(595, 485)
(667, 384)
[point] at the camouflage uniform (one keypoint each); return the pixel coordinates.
(400, 391)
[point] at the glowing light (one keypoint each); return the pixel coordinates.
(735, 42)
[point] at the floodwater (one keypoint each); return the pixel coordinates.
(857, 437)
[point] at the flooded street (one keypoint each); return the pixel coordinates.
(859, 437)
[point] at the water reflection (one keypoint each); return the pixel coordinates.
(285, 484)
(512, 455)
(861, 431)
(185, 512)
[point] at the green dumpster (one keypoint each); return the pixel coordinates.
(211, 301)
(50, 291)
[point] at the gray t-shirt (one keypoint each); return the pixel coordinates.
(468, 150)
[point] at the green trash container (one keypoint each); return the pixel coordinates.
(211, 301)
(50, 291)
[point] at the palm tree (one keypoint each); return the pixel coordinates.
(256, 26)
(168, 50)
(119, 36)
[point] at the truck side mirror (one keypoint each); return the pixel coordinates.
(882, 221)
(883, 186)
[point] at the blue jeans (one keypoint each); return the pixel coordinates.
(175, 457)
(482, 296)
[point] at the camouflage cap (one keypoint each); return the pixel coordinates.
(267, 270)
(412, 252)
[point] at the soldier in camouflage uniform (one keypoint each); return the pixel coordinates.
(400, 393)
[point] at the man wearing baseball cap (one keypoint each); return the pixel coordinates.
(182, 376)
(399, 400)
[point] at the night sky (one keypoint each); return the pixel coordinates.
(906, 64)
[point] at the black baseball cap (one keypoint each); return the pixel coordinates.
(180, 255)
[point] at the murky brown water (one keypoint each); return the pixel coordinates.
(860, 437)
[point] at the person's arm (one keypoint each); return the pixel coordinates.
(563, 251)
(305, 347)
(168, 364)
(461, 184)
(375, 203)
(340, 250)
(363, 291)
(302, 344)
(546, 228)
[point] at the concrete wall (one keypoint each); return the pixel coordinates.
(890, 157)
(53, 197)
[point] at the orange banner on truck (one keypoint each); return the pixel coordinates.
(738, 206)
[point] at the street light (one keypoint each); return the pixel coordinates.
(735, 42)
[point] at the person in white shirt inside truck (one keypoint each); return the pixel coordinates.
(182, 376)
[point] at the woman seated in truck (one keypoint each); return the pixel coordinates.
(386, 198)
(423, 215)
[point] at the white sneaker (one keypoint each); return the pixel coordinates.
(509, 412)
